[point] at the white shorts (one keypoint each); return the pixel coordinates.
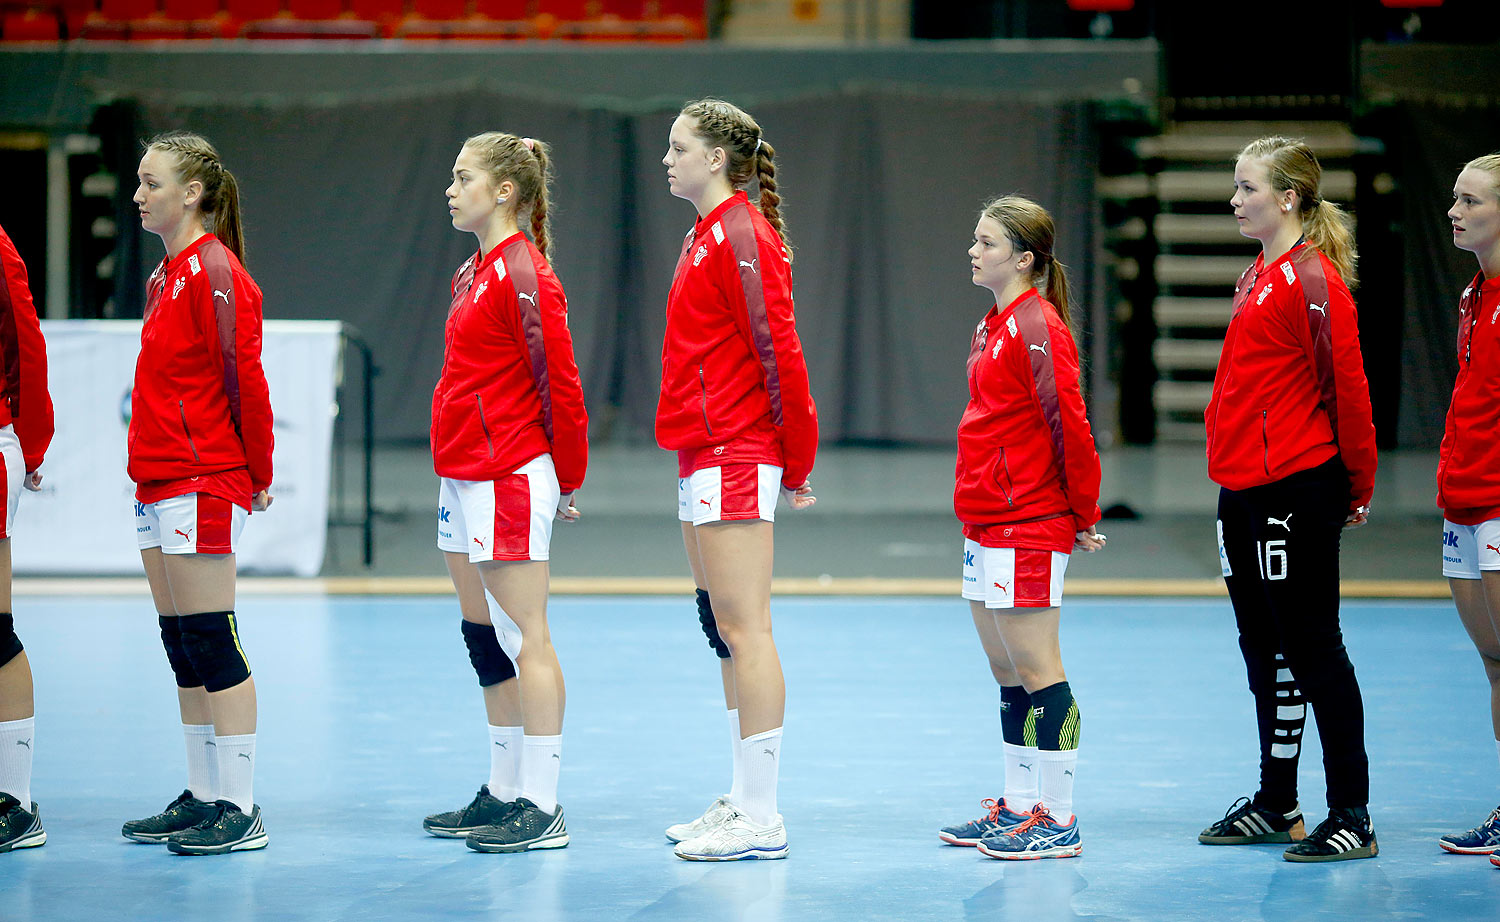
(1468, 549)
(505, 519)
(14, 472)
(734, 492)
(1013, 577)
(193, 523)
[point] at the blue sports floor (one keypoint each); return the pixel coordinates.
(371, 718)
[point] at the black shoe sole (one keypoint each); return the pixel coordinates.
(244, 845)
(1369, 851)
(559, 840)
(1274, 838)
(152, 838)
(452, 832)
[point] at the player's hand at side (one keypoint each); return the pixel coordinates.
(33, 481)
(1358, 517)
(801, 497)
(566, 511)
(1088, 540)
(261, 501)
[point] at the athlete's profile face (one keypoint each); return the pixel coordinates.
(1257, 207)
(160, 197)
(691, 164)
(471, 195)
(1476, 211)
(993, 260)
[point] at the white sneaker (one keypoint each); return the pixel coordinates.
(736, 839)
(717, 812)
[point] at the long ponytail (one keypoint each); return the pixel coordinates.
(199, 161)
(1292, 166)
(1030, 229)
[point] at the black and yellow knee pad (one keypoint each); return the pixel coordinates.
(212, 643)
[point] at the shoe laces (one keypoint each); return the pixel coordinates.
(1243, 805)
(1037, 815)
(993, 806)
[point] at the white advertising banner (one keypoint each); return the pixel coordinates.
(83, 520)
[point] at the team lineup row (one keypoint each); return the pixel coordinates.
(1290, 441)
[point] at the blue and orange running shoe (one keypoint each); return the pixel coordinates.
(1483, 839)
(999, 818)
(1040, 836)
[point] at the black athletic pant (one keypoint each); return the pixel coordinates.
(1281, 546)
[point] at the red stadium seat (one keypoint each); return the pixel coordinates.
(190, 9)
(250, 10)
(439, 10)
(30, 26)
(126, 10)
(382, 11)
(507, 10)
(1101, 6)
(315, 9)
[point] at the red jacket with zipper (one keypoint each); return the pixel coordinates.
(1468, 475)
(510, 389)
(1027, 473)
(734, 385)
(24, 400)
(1290, 390)
(200, 412)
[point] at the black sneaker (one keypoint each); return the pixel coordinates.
(183, 813)
(19, 827)
(1247, 824)
(526, 827)
(228, 830)
(1346, 834)
(484, 810)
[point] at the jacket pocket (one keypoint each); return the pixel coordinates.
(488, 441)
(703, 396)
(1000, 473)
(182, 414)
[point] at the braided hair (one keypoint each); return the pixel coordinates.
(198, 161)
(721, 124)
(526, 162)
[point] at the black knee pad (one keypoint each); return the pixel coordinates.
(177, 658)
(10, 644)
(710, 626)
(212, 643)
(489, 661)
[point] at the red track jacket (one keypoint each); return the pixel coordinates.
(1027, 473)
(24, 401)
(509, 390)
(1290, 391)
(733, 378)
(1469, 463)
(200, 412)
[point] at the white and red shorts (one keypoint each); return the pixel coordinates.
(1013, 577)
(193, 523)
(14, 472)
(505, 519)
(1470, 549)
(731, 493)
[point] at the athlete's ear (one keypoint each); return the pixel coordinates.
(717, 159)
(1027, 260)
(193, 194)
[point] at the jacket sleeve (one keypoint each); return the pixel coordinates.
(250, 401)
(1338, 366)
(1054, 371)
(25, 358)
(759, 285)
(555, 371)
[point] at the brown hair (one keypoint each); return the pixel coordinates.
(1292, 166)
(721, 124)
(526, 162)
(1029, 228)
(198, 161)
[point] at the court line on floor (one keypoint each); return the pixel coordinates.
(825, 586)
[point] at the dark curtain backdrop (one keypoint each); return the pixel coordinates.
(1434, 143)
(345, 219)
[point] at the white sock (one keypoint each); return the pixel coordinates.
(16, 740)
(760, 766)
(737, 786)
(237, 770)
(1022, 775)
(505, 762)
(203, 761)
(541, 760)
(1057, 782)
